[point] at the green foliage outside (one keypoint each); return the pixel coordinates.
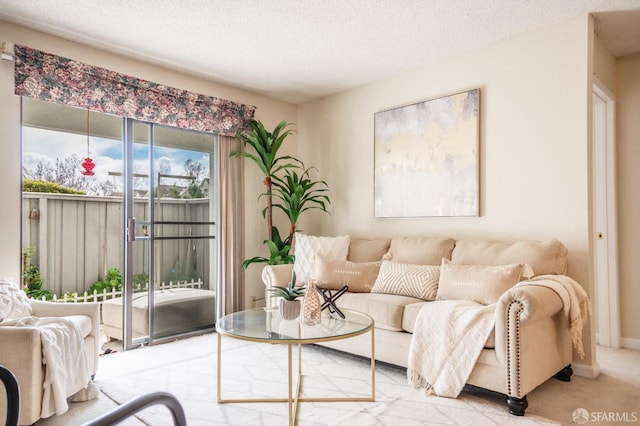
(31, 280)
(140, 281)
(112, 280)
(32, 185)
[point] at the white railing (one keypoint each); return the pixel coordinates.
(105, 295)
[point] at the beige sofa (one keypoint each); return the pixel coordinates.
(21, 352)
(531, 341)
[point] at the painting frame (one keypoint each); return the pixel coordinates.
(427, 158)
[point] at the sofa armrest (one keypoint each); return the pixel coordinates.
(59, 309)
(275, 275)
(532, 336)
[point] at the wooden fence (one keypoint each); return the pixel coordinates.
(78, 238)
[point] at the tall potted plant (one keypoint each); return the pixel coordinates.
(288, 181)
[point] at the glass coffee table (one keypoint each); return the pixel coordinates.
(267, 326)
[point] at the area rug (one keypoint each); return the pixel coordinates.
(187, 369)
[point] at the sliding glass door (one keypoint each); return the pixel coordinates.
(170, 232)
(137, 234)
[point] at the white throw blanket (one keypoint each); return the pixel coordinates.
(575, 302)
(66, 368)
(447, 340)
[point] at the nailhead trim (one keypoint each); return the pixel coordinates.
(515, 307)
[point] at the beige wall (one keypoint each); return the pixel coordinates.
(533, 148)
(269, 111)
(627, 91)
(604, 66)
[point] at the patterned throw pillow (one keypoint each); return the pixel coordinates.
(334, 274)
(14, 304)
(308, 248)
(420, 281)
(483, 284)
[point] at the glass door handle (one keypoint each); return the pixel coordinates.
(131, 229)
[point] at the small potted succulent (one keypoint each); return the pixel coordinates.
(289, 303)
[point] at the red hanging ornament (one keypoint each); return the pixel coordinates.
(88, 166)
(88, 163)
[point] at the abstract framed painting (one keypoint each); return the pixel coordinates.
(426, 158)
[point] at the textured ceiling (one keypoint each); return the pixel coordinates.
(298, 50)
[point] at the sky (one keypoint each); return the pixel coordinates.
(40, 145)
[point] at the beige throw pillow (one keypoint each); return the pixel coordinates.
(420, 281)
(483, 284)
(308, 248)
(334, 274)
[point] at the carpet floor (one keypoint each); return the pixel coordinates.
(187, 369)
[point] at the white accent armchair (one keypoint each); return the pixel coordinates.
(21, 352)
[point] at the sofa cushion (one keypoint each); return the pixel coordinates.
(386, 309)
(308, 248)
(420, 251)
(420, 281)
(482, 284)
(411, 313)
(362, 250)
(82, 321)
(334, 274)
(545, 257)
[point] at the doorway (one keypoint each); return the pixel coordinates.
(606, 238)
(139, 236)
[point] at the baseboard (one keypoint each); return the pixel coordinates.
(590, 371)
(630, 343)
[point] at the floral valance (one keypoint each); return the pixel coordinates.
(53, 78)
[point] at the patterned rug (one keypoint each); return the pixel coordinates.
(187, 369)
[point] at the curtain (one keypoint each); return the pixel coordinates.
(230, 274)
(53, 78)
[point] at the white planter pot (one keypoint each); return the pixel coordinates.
(289, 309)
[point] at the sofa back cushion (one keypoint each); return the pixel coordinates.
(420, 251)
(363, 250)
(544, 257)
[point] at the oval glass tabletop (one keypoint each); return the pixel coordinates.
(263, 325)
